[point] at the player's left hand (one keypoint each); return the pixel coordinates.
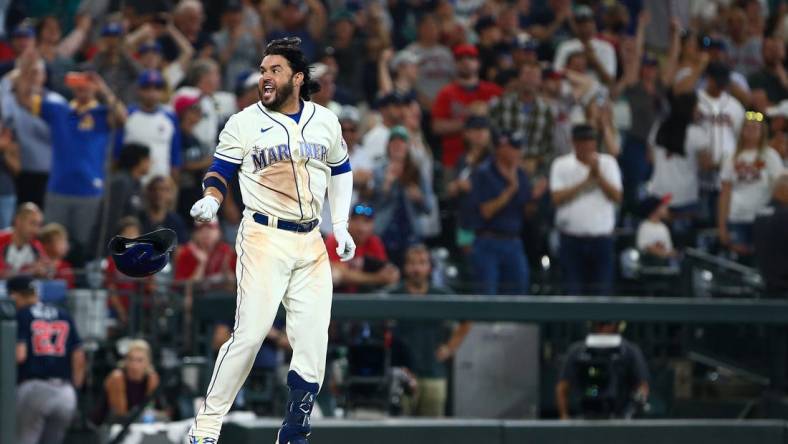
(346, 248)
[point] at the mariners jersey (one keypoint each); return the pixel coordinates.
(50, 337)
(284, 165)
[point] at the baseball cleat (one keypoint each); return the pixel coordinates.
(202, 440)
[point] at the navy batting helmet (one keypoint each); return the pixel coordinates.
(144, 255)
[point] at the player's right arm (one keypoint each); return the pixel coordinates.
(227, 159)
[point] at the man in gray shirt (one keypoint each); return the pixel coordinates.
(32, 135)
(436, 63)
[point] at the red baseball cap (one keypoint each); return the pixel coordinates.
(465, 50)
(184, 102)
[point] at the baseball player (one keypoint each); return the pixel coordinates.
(286, 151)
(51, 363)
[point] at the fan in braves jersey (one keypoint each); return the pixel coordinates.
(287, 152)
(51, 364)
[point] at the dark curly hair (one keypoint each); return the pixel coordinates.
(290, 49)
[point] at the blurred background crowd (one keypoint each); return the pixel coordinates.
(498, 147)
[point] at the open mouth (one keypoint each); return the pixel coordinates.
(268, 92)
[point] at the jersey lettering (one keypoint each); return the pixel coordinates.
(49, 337)
(263, 157)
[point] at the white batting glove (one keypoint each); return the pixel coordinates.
(204, 210)
(346, 248)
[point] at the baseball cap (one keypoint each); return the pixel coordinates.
(465, 50)
(23, 30)
(476, 122)
(651, 203)
(363, 209)
(184, 102)
(526, 43)
(349, 113)
(111, 29)
(583, 12)
(342, 15)
(551, 74)
(318, 70)
(649, 60)
(391, 98)
(152, 46)
(483, 23)
(779, 110)
(150, 77)
(504, 137)
(245, 81)
(20, 284)
(403, 57)
(399, 132)
(708, 42)
(232, 6)
(583, 131)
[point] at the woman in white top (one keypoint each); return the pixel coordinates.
(747, 180)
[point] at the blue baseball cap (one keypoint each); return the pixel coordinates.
(502, 138)
(391, 98)
(649, 60)
(150, 77)
(526, 43)
(23, 30)
(20, 284)
(153, 46)
(111, 29)
(363, 209)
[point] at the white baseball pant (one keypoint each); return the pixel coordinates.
(273, 266)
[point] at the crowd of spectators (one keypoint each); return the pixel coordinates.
(489, 127)
(480, 127)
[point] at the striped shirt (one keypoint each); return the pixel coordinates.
(533, 120)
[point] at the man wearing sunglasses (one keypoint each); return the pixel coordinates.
(370, 269)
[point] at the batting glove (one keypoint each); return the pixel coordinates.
(346, 248)
(204, 210)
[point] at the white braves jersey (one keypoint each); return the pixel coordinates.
(284, 166)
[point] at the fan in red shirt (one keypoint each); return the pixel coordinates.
(205, 262)
(369, 269)
(456, 101)
(54, 239)
(20, 251)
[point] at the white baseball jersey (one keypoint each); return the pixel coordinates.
(159, 132)
(723, 116)
(284, 166)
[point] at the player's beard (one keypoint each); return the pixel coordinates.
(280, 95)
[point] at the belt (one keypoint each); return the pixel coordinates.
(298, 227)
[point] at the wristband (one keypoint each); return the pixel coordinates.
(213, 181)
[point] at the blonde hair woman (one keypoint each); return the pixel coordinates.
(135, 380)
(747, 177)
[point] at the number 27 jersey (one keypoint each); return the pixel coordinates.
(50, 337)
(284, 165)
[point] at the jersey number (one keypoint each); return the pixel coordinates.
(49, 337)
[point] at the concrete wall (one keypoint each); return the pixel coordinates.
(400, 431)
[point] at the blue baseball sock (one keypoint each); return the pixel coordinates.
(299, 407)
